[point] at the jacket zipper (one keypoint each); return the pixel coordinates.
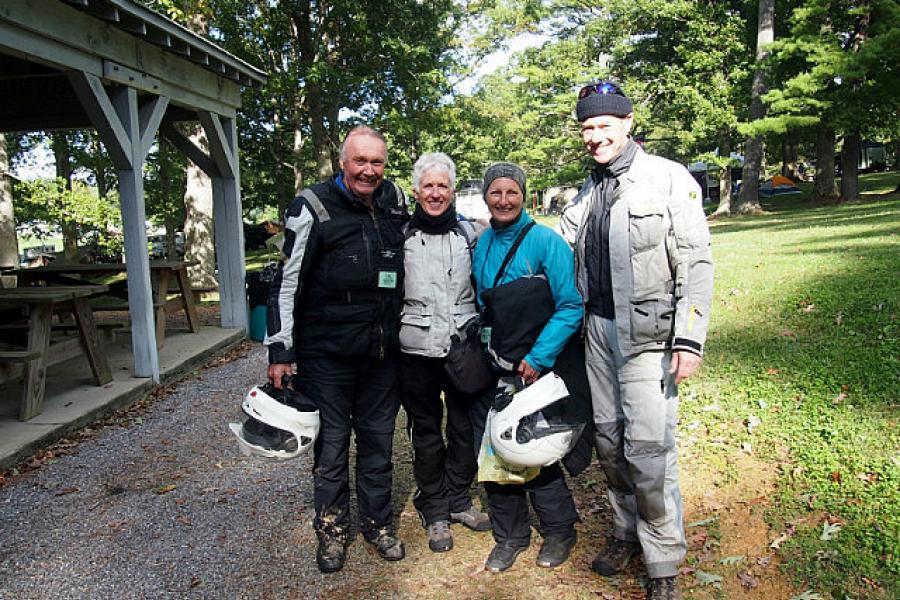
(380, 297)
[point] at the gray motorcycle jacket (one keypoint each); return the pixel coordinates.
(660, 255)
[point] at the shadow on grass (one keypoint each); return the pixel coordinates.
(810, 344)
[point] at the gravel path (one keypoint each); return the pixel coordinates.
(159, 503)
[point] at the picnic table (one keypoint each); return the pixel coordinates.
(162, 275)
(40, 349)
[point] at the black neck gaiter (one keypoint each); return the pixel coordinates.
(600, 296)
(438, 225)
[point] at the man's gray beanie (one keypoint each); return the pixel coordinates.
(503, 169)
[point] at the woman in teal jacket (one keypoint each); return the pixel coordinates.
(541, 251)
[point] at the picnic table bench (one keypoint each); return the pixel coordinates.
(40, 349)
(163, 274)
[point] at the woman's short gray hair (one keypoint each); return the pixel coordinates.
(437, 161)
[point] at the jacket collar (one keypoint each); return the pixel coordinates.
(513, 229)
(355, 201)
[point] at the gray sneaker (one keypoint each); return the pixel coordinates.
(439, 537)
(472, 518)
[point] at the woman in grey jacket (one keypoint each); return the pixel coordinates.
(438, 302)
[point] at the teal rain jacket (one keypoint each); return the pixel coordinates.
(542, 251)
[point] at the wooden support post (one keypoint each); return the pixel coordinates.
(128, 130)
(222, 136)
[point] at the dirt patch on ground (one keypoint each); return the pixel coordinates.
(729, 555)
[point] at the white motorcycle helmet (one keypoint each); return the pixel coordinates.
(280, 425)
(521, 435)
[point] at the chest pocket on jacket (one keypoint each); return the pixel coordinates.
(347, 258)
(645, 225)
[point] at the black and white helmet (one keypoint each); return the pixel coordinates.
(281, 424)
(521, 434)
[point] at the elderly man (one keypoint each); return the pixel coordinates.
(644, 269)
(334, 309)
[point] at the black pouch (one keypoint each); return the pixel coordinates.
(468, 365)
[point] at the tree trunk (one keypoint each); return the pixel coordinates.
(753, 148)
(199, 240)
(99, 172)
(724, 173)
(315, 107)
(789, 158)
(9, 245)
(165, 190)
(278, 165)
(199, 233)
(298, 161)
(850, 168)
(69, 228)
(825, 188)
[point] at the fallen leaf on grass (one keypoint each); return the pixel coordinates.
(708, 578)
(748, 581)
(789, 532)
(698, 540)
(829, 531)
(839, 319)
(792, 335)
(712, 519)
(807, 595)
(868, 477)
(165, 489)
(68, 490)
(839, 398)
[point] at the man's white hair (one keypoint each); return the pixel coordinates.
(362, 130)
(434, 161)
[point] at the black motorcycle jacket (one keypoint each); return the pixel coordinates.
(339, 287)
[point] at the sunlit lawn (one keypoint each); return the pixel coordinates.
(803, 371)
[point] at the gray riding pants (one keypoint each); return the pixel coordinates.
(635, 403)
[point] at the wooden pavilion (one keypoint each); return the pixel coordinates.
(131, 73)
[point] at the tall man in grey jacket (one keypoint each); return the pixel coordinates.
(644, 268)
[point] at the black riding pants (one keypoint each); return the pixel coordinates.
(443, 470)
(508, 503)
(362, 395)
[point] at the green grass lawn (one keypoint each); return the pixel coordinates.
(803, 370)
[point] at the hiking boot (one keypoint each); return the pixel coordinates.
(388, 546)
(614, 557)
(332, 552)
(472, 518)
(439, 538)
(663, 588)
(555, 550)
(503, 556)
